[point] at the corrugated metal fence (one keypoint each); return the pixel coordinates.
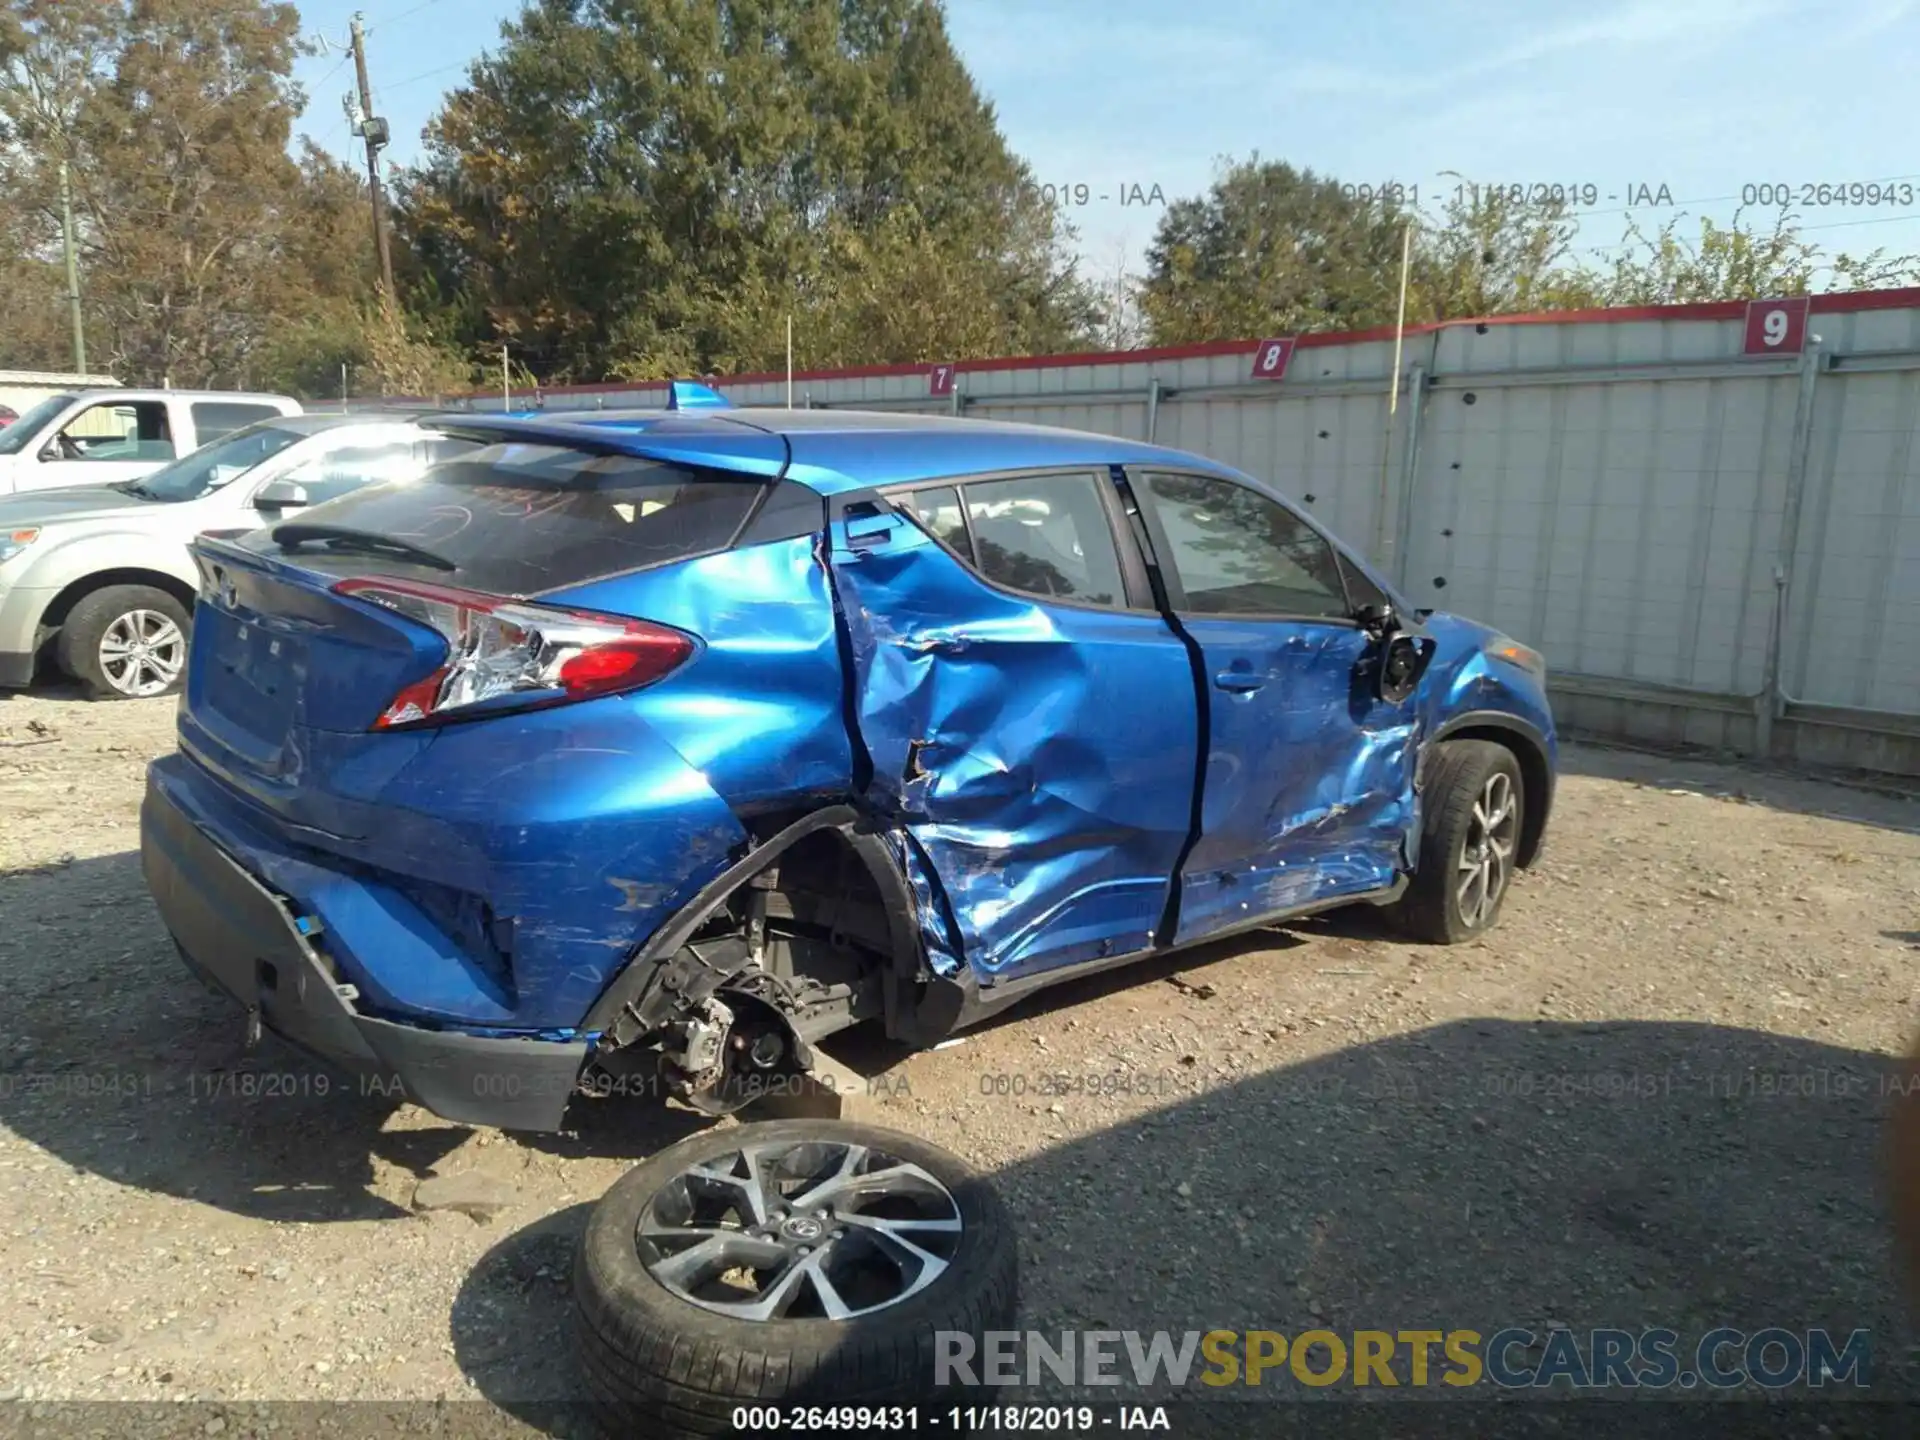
(1710, 547)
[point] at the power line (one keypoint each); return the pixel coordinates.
(402, 15)
(427, 74)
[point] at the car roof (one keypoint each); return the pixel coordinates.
(831, 451)
(311, 424)
(134, 392)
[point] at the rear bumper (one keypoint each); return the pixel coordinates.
(236, 934)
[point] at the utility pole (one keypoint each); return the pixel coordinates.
(376, 133)
(73, 272)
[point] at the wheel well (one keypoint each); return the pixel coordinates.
(823, 885)
(1535, 774)
(828, 920)
(56, 613)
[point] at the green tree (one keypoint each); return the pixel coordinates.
(1736, 261)
(1272, 250)
(1488, 252)
(204, 246)
(643, 187)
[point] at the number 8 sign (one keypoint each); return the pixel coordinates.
(1776, 327)
(1270, 358)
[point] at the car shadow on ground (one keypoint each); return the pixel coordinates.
(115, 1060)
(49, 683)
(1477, 1175)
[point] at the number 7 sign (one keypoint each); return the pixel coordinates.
(940, 379)
(1270, 358)
(1776, 327)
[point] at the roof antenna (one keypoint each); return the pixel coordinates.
(686, 395)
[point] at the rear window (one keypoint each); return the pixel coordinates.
(520, 519)
(215, 418)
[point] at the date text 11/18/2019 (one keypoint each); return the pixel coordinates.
(956, 1419)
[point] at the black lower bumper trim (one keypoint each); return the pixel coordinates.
(234, 933)
(16, 669)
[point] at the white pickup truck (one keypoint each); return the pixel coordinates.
(101, 437)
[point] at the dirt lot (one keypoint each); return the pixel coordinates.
(1589, 1118)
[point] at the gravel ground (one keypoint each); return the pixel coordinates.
(1652, 1097)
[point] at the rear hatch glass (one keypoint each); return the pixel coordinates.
(519, 518)
(286, 677)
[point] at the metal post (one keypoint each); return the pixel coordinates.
(1393, 397)
(955, 402)
(1772, 702)
(1409, 471)
(789, 362)
(506, 383)
(73, 272)
(1153, 410)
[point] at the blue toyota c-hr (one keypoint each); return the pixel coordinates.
(647, 749)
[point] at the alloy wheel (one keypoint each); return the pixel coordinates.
(142, 653)
(799, 1230)
(1486, 856)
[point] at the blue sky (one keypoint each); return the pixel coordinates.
(1704, 97)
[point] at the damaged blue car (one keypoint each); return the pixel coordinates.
(644, 750)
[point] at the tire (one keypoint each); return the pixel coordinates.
(657, 1362)
(134, 614)
(1461, 775)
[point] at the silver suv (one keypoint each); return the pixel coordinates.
(98, 579)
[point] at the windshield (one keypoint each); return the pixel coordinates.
(215, 465)
(15, 437)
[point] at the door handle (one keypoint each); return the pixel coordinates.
(1239, 682)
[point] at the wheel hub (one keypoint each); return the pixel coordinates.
(803, 1229)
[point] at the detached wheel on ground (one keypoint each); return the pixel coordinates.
(126, 642)
(790, 1262)
(1472, 805)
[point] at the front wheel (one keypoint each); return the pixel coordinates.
(1472, 805)
(126, 642)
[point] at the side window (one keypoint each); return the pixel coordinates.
(214, 418)
(333, 473)
(939, 514)
(1360, 590)
(136, 430)
(1236, 552)
(1045, 535)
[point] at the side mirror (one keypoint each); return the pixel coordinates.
(277, 495)
(1402, 664)
(49, 452)
(1378, 619)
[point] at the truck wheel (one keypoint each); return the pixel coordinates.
(126, 642)
(786, 1263)
(1472, 805)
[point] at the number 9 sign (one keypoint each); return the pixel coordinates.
(1776, 327)
(1270, 359)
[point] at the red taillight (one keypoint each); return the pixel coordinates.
(511, 654)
